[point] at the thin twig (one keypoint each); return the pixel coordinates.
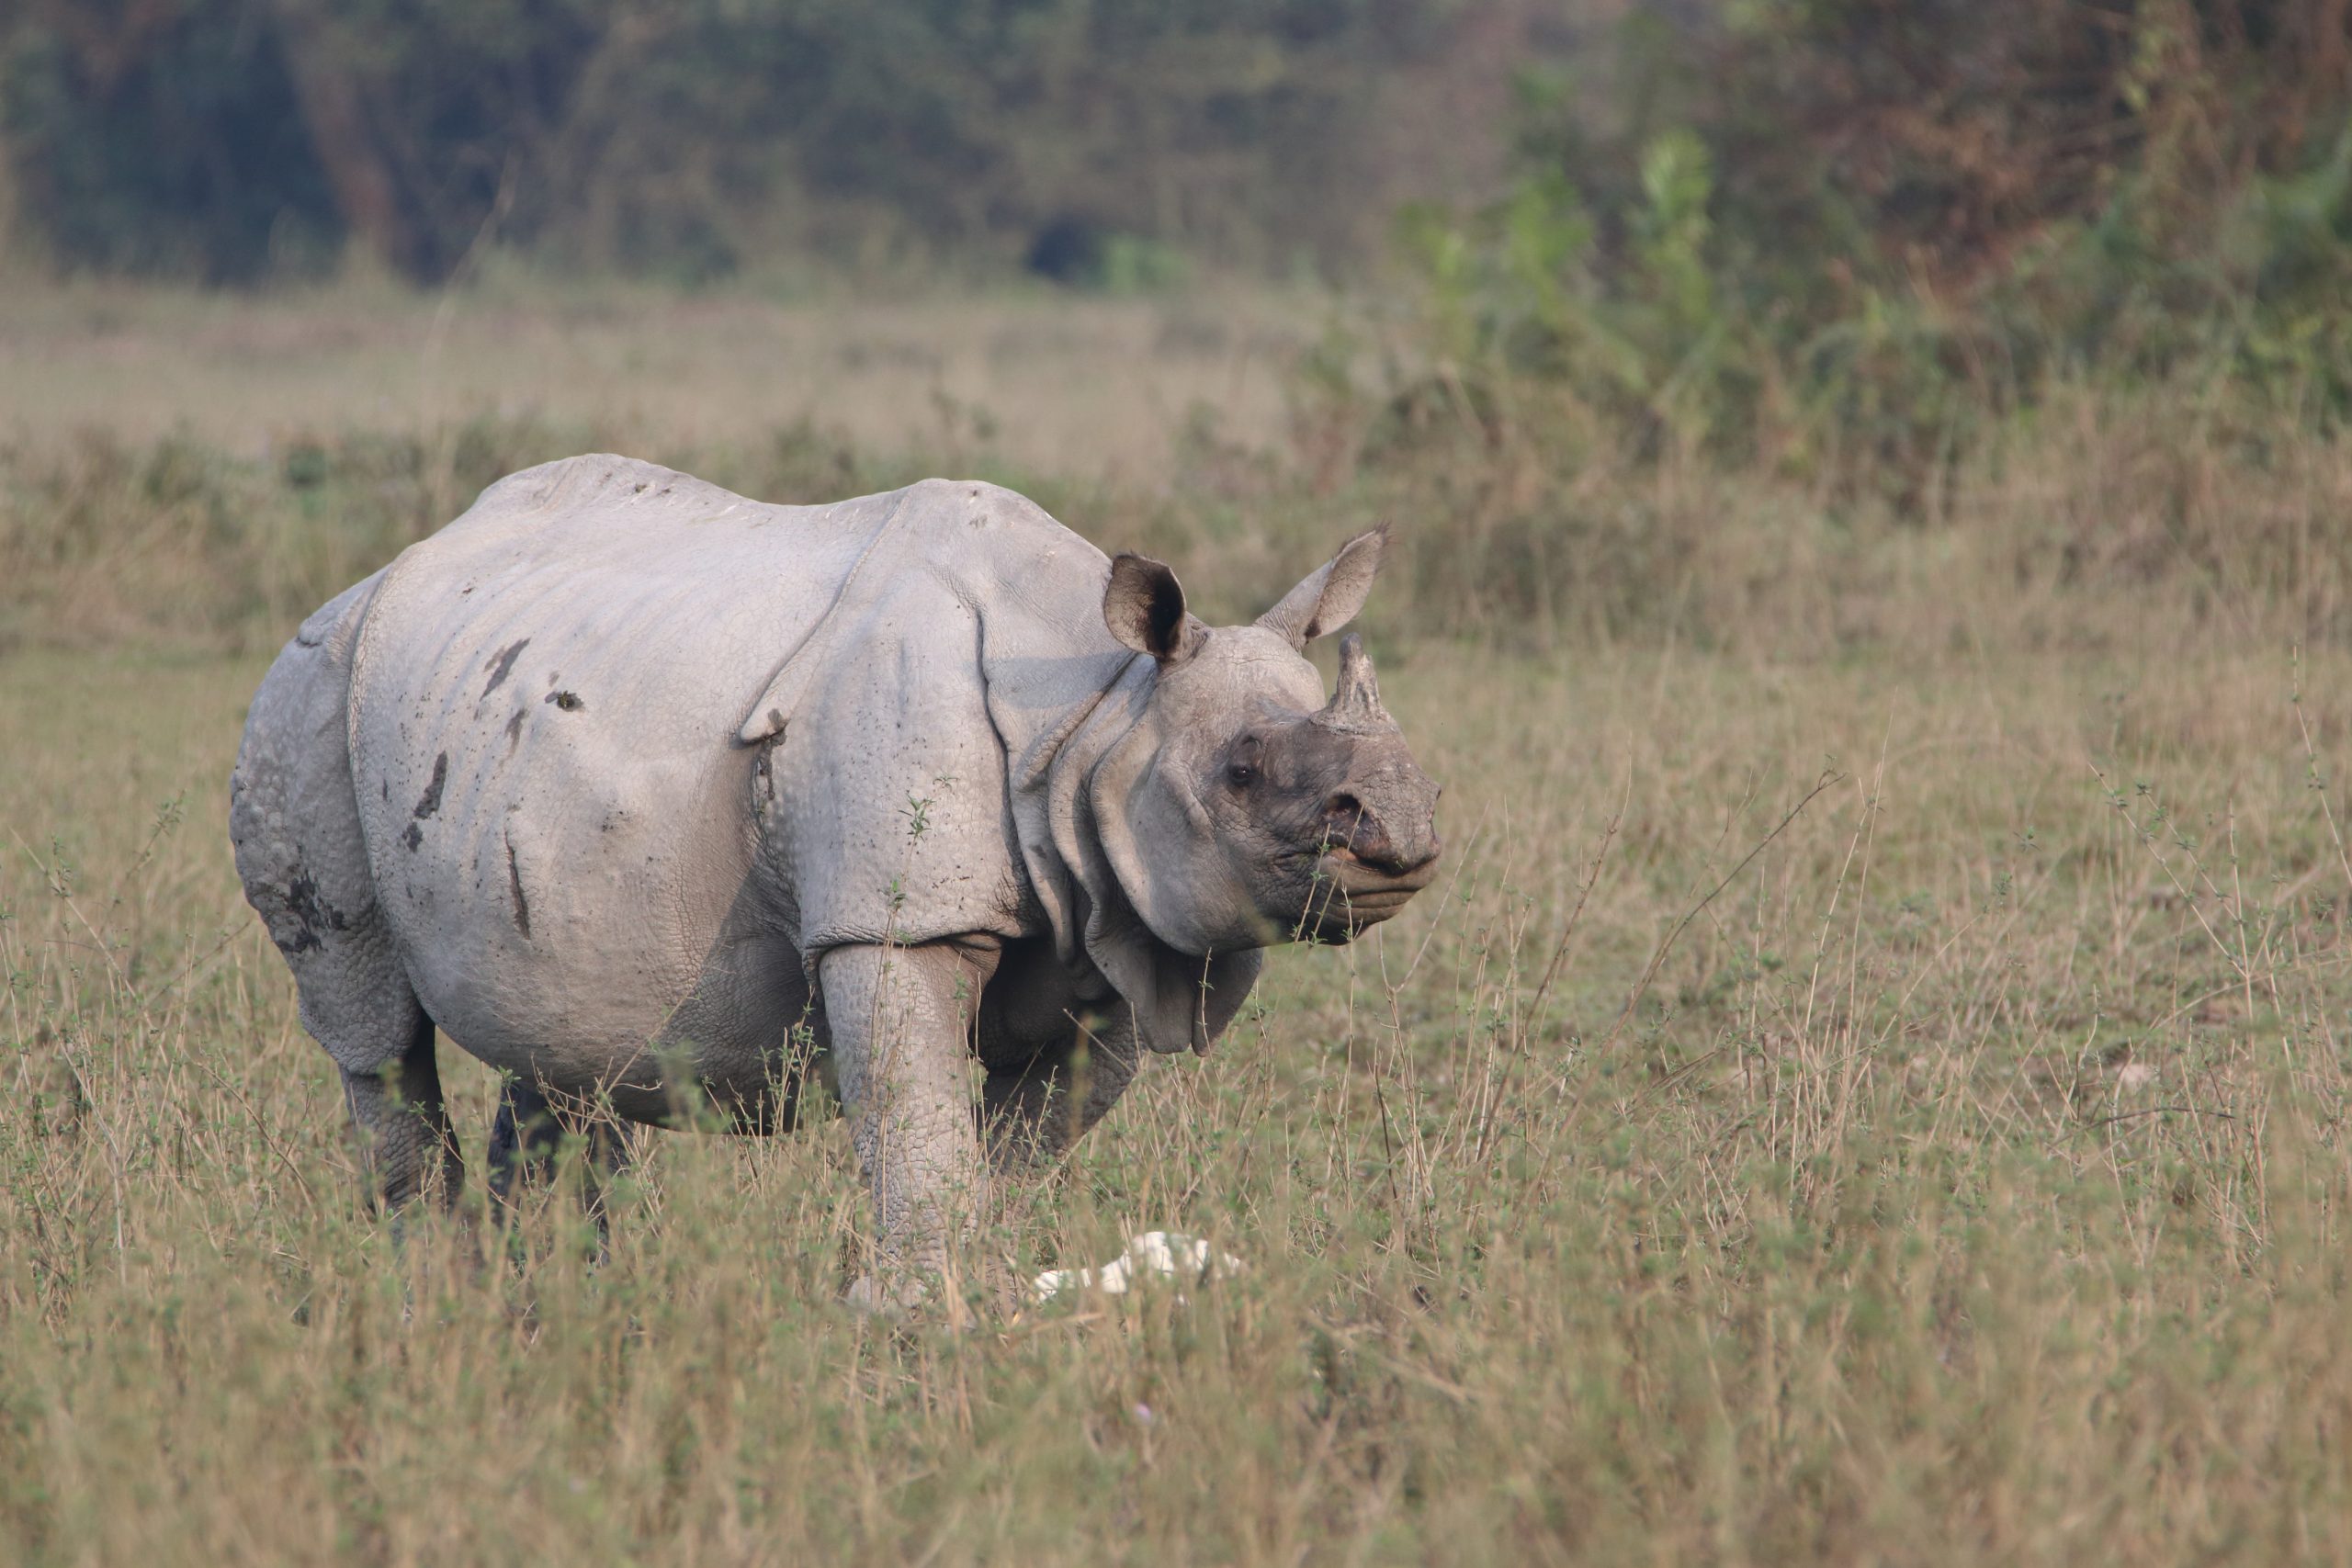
(1608, 836)
(2311, 756)
(2155, 1111)
(1535, 1013)
(1658, 960)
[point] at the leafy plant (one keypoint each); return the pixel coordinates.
(1849, 236)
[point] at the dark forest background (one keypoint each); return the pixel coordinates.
(1717, 218)
(232, 140)
(1836, 236)
(1097, 141)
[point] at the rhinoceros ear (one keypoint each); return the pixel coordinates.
(1331, 594)
(1144, 607)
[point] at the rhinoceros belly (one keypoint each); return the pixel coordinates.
(602, 929)
(557, 811)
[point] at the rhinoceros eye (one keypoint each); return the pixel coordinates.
(1241, 763)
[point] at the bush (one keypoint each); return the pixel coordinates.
(1849, 236)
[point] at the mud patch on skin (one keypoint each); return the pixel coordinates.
(414, 837)
(505, 665)
(302, 897)
(430, 801)
(515, 885)
(569, 701)
(312, 915)
(513, 731)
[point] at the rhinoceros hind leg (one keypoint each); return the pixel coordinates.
(525, 1137)
(302, 856)
(403, 1124)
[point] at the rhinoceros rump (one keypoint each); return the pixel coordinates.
(660, 799)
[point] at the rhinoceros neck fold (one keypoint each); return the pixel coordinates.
(1055, 733)
(1064, 788)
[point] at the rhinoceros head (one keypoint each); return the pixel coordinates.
(1249, 808)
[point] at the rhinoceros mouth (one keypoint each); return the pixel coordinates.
(1350, 897)
(1359, 879)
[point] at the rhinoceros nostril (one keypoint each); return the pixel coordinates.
(1346, 825)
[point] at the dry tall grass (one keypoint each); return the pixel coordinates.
(1078, 386)
(1952, 1171)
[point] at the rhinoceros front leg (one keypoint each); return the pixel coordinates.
(900, 1022)
(1035, 1111)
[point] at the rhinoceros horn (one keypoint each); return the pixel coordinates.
(1354, 707)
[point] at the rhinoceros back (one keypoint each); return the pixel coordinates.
(545, 701)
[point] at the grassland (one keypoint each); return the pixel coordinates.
(1080, 387)
(1870, 1088)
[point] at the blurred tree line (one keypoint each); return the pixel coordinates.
(232, 139)
(1804, 229)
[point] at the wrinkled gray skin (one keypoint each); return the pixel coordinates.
(660, 799)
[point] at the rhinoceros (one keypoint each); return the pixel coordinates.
(666, 802)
